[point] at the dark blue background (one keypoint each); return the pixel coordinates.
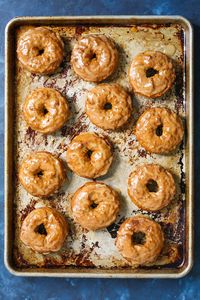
(50, 288)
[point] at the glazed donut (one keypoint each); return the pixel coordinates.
(159, 130)
(151, 187)
(89, 155)
(41, 173)
(40, 50)
(140, 240)
(45, 110)
(44, 230)
(94, 57)
(95, 205)
(108, 106)
(152, 74)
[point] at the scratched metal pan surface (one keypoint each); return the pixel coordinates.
(86, 253)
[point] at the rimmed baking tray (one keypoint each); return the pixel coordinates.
(88, 254)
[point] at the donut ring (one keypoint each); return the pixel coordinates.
(108, 106)
(95, 205)
(94, 57)
(152, 74)
(41, 173)
(45, 110)
(151, 187)
(140, 240)
(44, 230)
(159, 130)
(89, 155)
(40, 50)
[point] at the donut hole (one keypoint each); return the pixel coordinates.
(44, 111)
(107, 106)
(40, 173)
(93, 205)
(139, 238)
(159, 130)
(93, 56)
(41, 229)
(40, 52)
(89, 153)
(150, 72)
(152, 186)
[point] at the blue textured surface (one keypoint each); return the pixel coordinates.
(49, 288)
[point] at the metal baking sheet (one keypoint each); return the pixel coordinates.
(86, 253)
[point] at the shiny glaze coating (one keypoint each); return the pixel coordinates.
(156, 85)
(138, 187)
(149, 122)
(94, 57)
(40, 50)
(54, 224)
(89, 155)
(115, 96)
(45, 110)
(136, 253)
(41, 173)
(105, 209)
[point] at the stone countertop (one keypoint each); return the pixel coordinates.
(12, 287)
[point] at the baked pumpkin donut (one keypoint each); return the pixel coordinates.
(108, 106)
(151, 187)
(89, 155)
(94, 57)
(45, 110)
(95, 205)
(40, 50)
(159, 130)
(140, 240)
(152, 74)
(44, 230)
(41, 173)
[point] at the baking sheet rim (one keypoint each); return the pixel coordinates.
(103, 274)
